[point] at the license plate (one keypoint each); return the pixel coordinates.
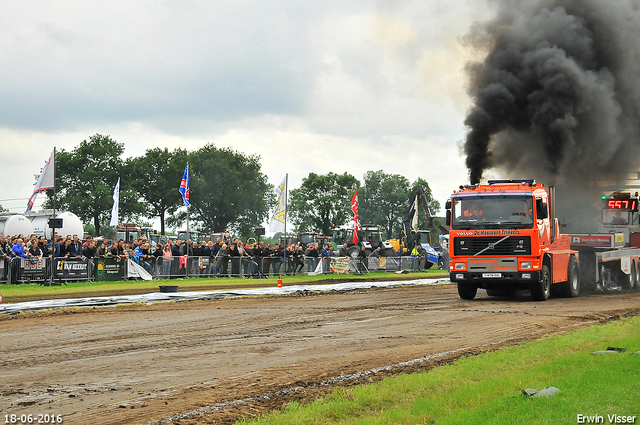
(492, 275)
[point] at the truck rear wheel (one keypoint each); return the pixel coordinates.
(629, 280)
(540, 290)
(467, 291)
(571, 288)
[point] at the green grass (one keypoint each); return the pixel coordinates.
(486, 389)
(43, 292)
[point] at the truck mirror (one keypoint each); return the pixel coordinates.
(448, 219)
(447, 205)
(541, 209)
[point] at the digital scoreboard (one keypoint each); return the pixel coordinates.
(622, 204)
(621, 201)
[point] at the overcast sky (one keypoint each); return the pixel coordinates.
(316, 86)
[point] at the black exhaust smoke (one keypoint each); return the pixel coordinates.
(557, 96)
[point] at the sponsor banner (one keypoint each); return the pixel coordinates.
(109, 269)
(70, 269)
(502, 232)
(339, 265)
(603, 241)
(33, 268)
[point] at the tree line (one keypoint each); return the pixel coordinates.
(228, 190)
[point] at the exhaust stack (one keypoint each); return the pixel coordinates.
(552, 212)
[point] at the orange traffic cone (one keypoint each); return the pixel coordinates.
(279, 282)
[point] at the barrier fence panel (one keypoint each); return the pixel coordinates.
(109, 269)
(34, 269)
(25, 270)
(4, 271)
(72, 269)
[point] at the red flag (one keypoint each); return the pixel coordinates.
(354, 208)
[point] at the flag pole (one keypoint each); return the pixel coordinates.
(286, 196)
(54, 183)
(189, 184)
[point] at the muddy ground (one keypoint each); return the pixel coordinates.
(213, 361)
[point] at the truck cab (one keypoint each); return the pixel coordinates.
(503, 237)
(620, 215)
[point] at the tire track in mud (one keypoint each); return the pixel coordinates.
(356, 377)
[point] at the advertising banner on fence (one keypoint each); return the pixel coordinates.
(109, 269)
(34, 269)
(70, 269)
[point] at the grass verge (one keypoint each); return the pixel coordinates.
(487, 389)
(23, 292)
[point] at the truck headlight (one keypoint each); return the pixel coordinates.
(525, 265)
(460, 266)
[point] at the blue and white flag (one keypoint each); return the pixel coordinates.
(116, 201)
(184, 186)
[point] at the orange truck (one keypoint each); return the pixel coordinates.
(504, 237)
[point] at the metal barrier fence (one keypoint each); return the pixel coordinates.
(62, 270)
(41, 270)
(258, 267)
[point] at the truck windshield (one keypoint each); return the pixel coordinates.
(372, 236)
(307, 238)
(615, 217)
(492, 212)
(185, 236)
(126, 236)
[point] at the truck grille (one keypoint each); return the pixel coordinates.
(518, 245)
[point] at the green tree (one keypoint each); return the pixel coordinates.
(228, 191)
(321, 201)
(384, 200)
(156, 177)
(86, 177)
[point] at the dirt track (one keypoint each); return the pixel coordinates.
(139, 364)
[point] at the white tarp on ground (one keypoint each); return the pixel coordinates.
(208, 295)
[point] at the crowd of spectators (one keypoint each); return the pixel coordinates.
(177, 258)
(228, 258)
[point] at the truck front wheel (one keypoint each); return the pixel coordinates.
(571, 288)
(540, 290)
(467, 291)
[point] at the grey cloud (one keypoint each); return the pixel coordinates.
(218, 63)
